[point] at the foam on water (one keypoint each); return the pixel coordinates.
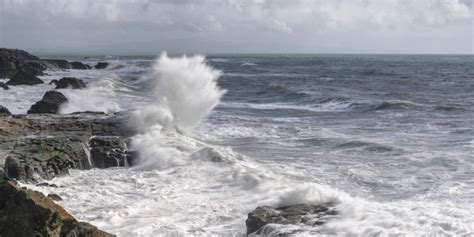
(186, 186)
(99, 96)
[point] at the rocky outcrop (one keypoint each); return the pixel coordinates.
(79, 65)
(69, 82)
(49, 104)
(25, 212)
(14, 60)
(47, 145)
(58, 63)
(262, 220)
(4, 111)
(101, 65)
(24, 78)
(108, 151)
(46, 157)
(4, 86)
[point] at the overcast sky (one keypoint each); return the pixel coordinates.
(237, 26)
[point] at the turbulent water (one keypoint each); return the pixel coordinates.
(389, 139)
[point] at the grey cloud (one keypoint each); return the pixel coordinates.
(312, 26)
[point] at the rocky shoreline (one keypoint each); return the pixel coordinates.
(43, 144)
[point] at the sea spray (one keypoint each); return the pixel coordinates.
(187, 87)
(98, 96)
(185, 92)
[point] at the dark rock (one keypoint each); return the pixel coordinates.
(133, 157)
(4, 111)
(47, 145)
(55, 82)
(12, 61)
(25, 212)
(36, 67)
(259, 220)
(24, 78)
(55, 197)
(4, 86)
(50, 103)
(70, 82)
(108, 151)
(30, 158)
(44, 184)
(101, 65)
(58, 63)
(79, 65)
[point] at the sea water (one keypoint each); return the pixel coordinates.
(388, 138)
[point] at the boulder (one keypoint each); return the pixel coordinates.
(4, 111)
(13, 60)
(36, 67)
(70, 82)
(58, 63)
(49, 104)
(261, 219)
(108, 151)
(4, 86)
(79, 65)
(31, 158)
(101, 65)
(24, 78)
(24, 212)
(55, 197)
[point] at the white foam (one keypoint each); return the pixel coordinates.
(99, 96)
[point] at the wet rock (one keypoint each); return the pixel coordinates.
(53, 82)
(58, 63)
(31, 158)
(12, 61)
(4, 86)
(79, 65)
(70, 82)
(260, 220)
(24, 78)
(108, 151)
(55, 197)
(133, 157)
(4, 111)
(44, 184)
(50, 103)
(36, 67)
(25, 212)
(47, 145)
(101, 65)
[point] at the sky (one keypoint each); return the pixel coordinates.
(148, 27)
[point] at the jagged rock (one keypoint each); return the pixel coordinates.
(79, 65)
(70, 82)
(25, 212)
(59, 63)
(24, 78)
(44, 184)
(50, 103)
(55, 197)
(36, 67)
(4, 111)
(259, 220)
(55, 82)
(12, 61)
(30, 158)
(4, 86)
(101, 65)
(108, 151)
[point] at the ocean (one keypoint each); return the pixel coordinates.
(388, 138)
